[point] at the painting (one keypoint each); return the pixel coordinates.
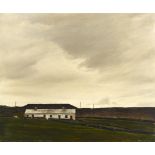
(77, 77)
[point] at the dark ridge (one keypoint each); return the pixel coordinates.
(137, 113)
(142, 113)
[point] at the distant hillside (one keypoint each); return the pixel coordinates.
(6, 111)
(142, 113)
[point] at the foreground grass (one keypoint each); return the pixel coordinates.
(55, 130)
(126, 124)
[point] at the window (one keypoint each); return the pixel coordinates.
(44, 116)
(66, 116)
(50, 116)
(32, 116)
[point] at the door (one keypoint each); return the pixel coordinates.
(59, 116)
(71, 117)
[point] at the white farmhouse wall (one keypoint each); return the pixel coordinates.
(51, 113)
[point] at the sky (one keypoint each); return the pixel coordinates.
(103, 59)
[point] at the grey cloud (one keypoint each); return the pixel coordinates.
(19, 64)
(97, 37)
(106, 102)
(114, 43)
(102, 54)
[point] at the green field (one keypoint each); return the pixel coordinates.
(81, 130)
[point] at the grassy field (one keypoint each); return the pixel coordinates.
(81, 130)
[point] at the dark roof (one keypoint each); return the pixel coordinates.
(50, 106)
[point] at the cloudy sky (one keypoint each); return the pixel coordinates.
(101, 59)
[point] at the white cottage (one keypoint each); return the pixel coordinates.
(50, 111)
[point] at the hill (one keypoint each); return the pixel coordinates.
(6, 111)
(140, 113)
(81, 130)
